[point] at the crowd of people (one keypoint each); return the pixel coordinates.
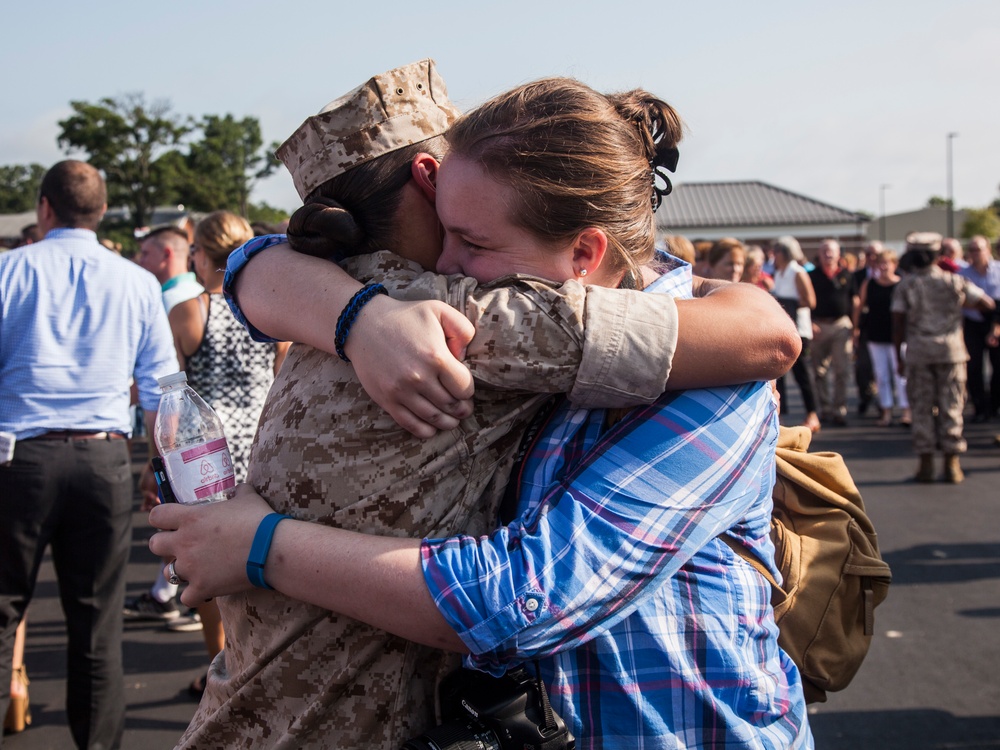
(511, 432)
(843, 308)
(62, 258)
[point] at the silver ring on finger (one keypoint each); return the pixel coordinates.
(172, 578)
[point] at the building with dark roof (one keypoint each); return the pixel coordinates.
(894, 227)
(757, 212)
(11, 226)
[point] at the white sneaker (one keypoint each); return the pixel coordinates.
(187, 623)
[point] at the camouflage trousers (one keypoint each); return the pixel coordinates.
(940, 385)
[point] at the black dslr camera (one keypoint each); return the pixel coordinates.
(482, 712)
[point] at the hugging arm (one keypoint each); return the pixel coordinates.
(375, 579)
(654, 490)
(416, 376)
(589, 551)
(734, 333)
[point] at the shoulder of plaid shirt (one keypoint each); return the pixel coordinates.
(648, 631)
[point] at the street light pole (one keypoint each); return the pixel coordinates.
(951, 194)
(881, 211)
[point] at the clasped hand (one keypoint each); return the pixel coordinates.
(406, 355)
(209, 543)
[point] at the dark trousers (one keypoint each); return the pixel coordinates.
(985, 402)
(75, 495)
(804, 377)
(864, 373)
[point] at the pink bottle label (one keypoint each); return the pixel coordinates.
(200, 471)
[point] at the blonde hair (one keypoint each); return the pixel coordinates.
(576, 158)
(755, 256)
(888, 255)
(681, 247)
(221, 232)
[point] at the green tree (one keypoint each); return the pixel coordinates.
(126, 138)
(982, 221)
(224, 166)
(936, 201)
(19, 187)
(266, 213)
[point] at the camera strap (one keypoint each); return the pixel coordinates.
(508, 506)
(547, 712)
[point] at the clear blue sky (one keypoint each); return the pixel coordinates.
(830, 99)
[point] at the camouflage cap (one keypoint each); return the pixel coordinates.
(924, 241)
(392, 110)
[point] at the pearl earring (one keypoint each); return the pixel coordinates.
(583, 271)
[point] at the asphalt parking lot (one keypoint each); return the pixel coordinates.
(930, 680)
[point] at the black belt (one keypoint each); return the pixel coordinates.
(78, 435)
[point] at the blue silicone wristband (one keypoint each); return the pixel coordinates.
(260, 547)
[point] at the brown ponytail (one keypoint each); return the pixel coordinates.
(660, 130)
(659, 126)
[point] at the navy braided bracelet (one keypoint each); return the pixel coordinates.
(350, 313)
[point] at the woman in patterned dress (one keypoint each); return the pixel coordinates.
(225, 367)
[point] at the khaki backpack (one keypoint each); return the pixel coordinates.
(827, 551)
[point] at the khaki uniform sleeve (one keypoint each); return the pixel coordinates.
(629, 343)
(604, 347)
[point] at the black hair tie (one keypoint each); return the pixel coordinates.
(662, 163)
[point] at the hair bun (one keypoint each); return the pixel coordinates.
(323, 227)
(660, 129)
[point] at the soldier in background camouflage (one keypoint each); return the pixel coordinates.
(927, 316)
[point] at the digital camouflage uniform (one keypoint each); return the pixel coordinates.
(296, 676)
(932, 301)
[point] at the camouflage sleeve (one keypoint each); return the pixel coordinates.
(604, 347)
(972, 295)
(900, 297)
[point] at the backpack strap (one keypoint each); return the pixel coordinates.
(777, 593)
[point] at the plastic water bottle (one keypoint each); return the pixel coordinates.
(190, 438)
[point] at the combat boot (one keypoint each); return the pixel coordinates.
(925, 473)
(952, 469)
